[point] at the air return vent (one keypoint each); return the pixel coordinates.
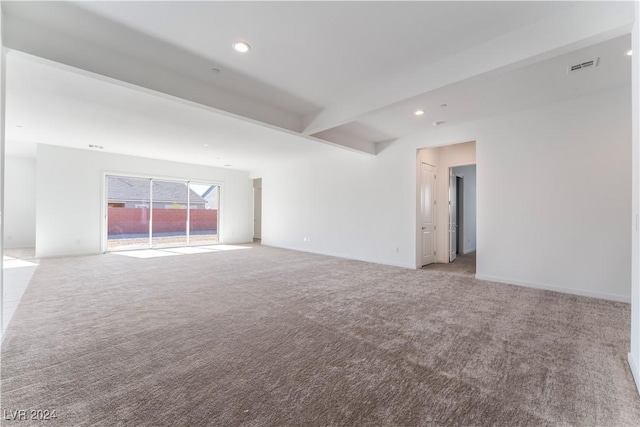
(592, 63)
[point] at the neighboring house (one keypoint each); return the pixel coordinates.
(211, 196)
(134, 193)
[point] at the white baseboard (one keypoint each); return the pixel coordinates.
(40, 255)
(634, 371)
(344, 256)
(600, 295)
(468, 251)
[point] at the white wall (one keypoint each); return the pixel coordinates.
(2, 116)
(69, 204)
(553, 203)
(468, 173)
(343, 203)
(634, 353)
(20, 202)
(553, 189)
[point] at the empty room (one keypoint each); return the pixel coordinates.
(329, 213)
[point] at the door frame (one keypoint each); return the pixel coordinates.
(452, 176)
(460, 208)
(417, 247)
(257, 189)
(448, 184)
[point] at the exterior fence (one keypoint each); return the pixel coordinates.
(136, 220)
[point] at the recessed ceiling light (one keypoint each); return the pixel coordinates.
(205, 145)
(241, 46)
(630, 52)
(419, 112)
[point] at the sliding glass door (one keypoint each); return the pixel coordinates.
(128, 213)
(203, 215)
(145, 213)
(169, 216)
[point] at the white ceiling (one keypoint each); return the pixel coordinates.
(485, 96)
(52, 104)
(351, 73)
(318, 50)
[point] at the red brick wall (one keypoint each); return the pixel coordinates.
(202, 219)
(136, 220)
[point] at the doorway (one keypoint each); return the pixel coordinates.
(461, 157)
(456, 215)
(453, 215)
(257, 209)
(462, 211)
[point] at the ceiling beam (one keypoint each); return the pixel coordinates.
(54, 44)
(36, 41)
(579, 26)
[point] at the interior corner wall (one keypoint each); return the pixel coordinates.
(20, 200)
(553, 203)
(70, 196)
(634, 351)
(341, 203)
(553, 197)
(468, 173)
(2, 161)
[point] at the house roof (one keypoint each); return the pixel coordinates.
(137, 189)
(209, 190)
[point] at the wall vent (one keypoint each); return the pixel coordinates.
(592, 63)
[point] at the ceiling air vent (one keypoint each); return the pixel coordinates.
(583, 65)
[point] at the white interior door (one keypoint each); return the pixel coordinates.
(427, 220)
(453, 216)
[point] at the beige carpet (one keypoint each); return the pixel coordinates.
(269, 337)
(464, 265)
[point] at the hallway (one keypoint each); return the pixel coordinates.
(464, 265)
